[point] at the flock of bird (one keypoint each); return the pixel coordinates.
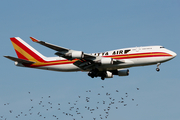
(76, 109)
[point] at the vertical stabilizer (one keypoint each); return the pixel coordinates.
(25, 51)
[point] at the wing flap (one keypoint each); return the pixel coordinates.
(83, 64)
(19, 60)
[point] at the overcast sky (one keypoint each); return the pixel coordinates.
(90, 26)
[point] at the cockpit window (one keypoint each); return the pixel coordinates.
(162, 47)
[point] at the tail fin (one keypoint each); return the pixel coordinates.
(25, 51)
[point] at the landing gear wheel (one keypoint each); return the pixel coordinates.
(157, 69)
(92, 76)
(89, 74)
(102, 78)
(93, 73)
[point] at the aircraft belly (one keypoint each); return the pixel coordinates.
(163, 59)
(126, 64)
(150, 61)
(132, 63)
(147, 60)
(62, 68)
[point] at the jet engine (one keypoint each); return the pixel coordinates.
(106, 61)
(75, 54)
(123, 72)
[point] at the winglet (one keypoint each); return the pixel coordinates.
(34, 40)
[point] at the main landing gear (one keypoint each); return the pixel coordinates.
(102, 77)
(93, 73)
(157, 69)
(96, 73)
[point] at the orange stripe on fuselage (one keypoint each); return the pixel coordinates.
(124, 56)
(50, 63)
(140, 55)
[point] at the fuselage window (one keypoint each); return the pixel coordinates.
(98, 54)
(121, 52)
(126, 51)
(102, 54)
(162, 47)
(94, 53)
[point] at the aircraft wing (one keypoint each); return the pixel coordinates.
(86, 61)
(62, 52)
(19, 60)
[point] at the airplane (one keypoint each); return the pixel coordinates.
(103, 64)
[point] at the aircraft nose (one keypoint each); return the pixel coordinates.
(174, 54)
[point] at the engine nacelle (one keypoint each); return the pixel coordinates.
(77, 54)
(123, 72)
(109, 74)
(106, 61)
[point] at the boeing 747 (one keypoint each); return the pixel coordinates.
(104, 64)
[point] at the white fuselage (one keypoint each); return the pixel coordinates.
(136, 56)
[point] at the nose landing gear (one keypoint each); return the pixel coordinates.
(157, 69)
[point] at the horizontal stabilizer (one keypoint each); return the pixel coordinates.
(19, 60)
